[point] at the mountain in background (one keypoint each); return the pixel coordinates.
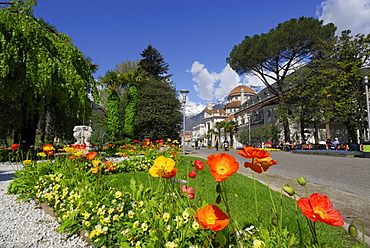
(198, 118)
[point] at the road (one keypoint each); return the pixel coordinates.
(345, 180)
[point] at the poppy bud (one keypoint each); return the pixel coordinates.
(274, 221)
(203, 184)
(259, 219)
(289, 190)
(218, 199)
(352, 230)
(218, 188)
(171, 206)
(301, 181)
(236, 196)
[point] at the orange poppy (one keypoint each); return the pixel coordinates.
(108, 162)
(250, 152)
(170, 174)
(260, 165)
(222, 166)
(71, 157)
(91, 155)
(14, 147)
(48, 147)
(111, 168)
(319, 208)
(211, 217)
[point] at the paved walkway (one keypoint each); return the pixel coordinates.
(345, 180)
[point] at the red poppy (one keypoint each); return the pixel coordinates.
(170, 174)
(50, 153)
(91, 155)
(79, 147)
(14, 147)
(319, 208)
(199, 165)
(260, 165)
(192, 174)
(211, 217)
(250, 152)
(222, 166)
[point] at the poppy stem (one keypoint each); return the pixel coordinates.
(362, 230)
(269, 189)
(255, 194)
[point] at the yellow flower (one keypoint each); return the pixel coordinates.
(86, 223)
(195, 225)
(161, 164)
(96, 163)
(170, 245)
(69, 149)
(144, 226)
(126, 231)
(131, 214)
(79, 153)
(27, 161)
(94, 170)
(166, 217)
(136, 224)
(258, 244)
(118, 194)
(41, 154)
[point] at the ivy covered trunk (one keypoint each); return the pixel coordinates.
(113, 120)
(130, 112)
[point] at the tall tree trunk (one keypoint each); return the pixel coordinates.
(43, 126)
(28, 133)
(283, 113)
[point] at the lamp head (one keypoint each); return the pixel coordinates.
(184, 92)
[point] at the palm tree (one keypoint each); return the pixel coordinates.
(219, 125)
(232, 128)
(212, 132)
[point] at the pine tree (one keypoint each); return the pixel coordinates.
(153, 64)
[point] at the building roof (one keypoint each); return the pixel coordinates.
(213, 111)
(237, 90)
(233, 104)
(229, 118)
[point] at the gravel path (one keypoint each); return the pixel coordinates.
(25, 224)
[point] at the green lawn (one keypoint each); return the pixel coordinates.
(240, 194)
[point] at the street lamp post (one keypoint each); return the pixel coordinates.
(364, 71)
(366, 144)
(184, 93)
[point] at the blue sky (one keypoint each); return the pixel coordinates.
(195, 37)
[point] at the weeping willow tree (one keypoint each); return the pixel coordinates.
(42, 76)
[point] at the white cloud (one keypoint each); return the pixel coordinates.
(213, 85)
(229, 79)
(345, 14)
(204, 80)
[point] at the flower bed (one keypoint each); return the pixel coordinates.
(161, 200)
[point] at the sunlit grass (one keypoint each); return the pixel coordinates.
(241, 198)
